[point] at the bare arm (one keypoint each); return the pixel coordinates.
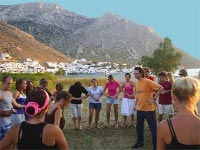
(14, 103)
(160, 138)
(119, 91)
(84, 97)
(1, 97)
(104, 92)
(52, 135)
(58, 115)
(155, 95)
(60, 139)
(10, 139)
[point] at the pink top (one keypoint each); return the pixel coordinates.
(129, 89)
(112, 88)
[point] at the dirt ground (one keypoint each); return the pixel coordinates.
(111, 138)
(104, 138)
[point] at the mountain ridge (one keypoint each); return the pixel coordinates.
(21, 45)
(107, 38)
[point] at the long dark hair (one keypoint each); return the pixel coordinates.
(18, 84)
(28, 87)
(38, 96)
(63, 95)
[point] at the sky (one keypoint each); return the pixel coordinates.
(177, 19)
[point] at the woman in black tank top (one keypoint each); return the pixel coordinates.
(35, 133)
(55, 113)
(183, 130)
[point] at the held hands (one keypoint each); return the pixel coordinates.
(97, 98)
(112, 97)
(6, 113)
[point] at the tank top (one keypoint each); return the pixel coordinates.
(32, 137)
(5, 104)
(128, 89)
(49, 118)
(174, 142)
(20, 100)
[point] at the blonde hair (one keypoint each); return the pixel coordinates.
(170, 77)
(186, 89)
(146, 69)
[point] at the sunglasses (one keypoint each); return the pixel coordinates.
(180, 74)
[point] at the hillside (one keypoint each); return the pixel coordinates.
(107, 38)
(21, 45)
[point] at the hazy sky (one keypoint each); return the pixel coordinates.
(177, 19)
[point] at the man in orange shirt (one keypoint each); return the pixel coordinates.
(145, 106)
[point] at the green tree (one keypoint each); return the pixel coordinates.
(60, 72)
(165, 58)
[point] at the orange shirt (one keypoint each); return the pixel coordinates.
(145, 89)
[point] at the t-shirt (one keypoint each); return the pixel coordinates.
(95, 93)
(112, 88)
(151, 78)
(128, 88)
(145, 89)
(76, 92)
(165, 99)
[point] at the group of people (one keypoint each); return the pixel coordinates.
(35, 111)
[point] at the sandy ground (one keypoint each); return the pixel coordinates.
(111, 138)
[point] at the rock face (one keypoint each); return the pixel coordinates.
(108, 38)
(21, 45)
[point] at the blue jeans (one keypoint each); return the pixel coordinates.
(151, 119)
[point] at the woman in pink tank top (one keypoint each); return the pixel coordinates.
(113, 88)
(128, 101)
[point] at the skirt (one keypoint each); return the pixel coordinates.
(127, 107)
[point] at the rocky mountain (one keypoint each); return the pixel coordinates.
(21, 45)
(107, 38)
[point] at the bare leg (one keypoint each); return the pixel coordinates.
(160, 117)
(96, 117)
(91, 111)
(125, 120)
(74, 120)
(108, 107)
(132, 119)
(116, 115)
(79, 123)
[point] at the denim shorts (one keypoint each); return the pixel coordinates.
(95, 106)
(112, 101)
(4, 130)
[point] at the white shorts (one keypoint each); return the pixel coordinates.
(76, 110)
(165, 109)
(127, 107)
(17, 119)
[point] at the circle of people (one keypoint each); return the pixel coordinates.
(33, 118)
